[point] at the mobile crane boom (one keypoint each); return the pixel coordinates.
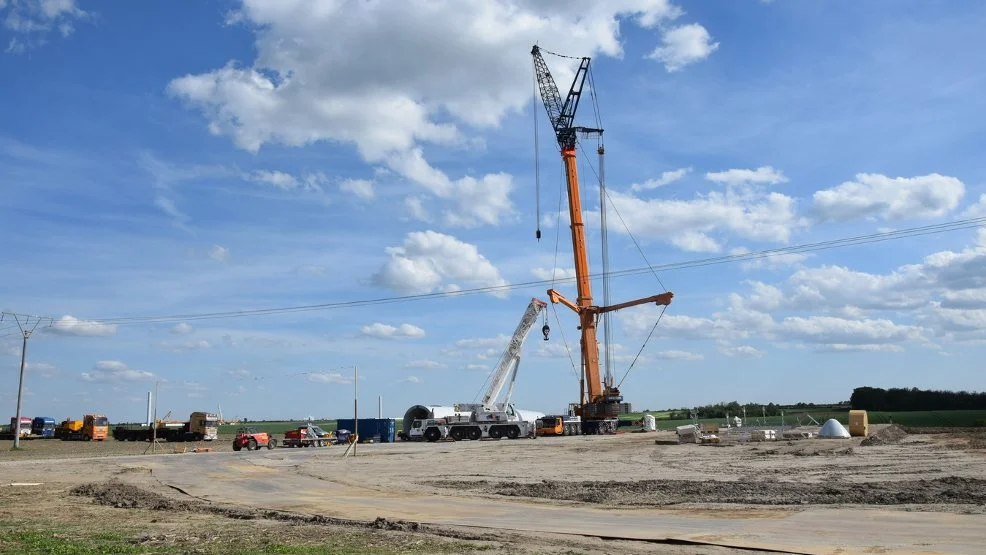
(599, 403)
(510, 359)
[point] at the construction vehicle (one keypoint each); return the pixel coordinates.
(599, 398)
(489, 418)
(308, 435)
(24, 430)
(251, 439)
(92, 427)
(558, 425)
(200, 426)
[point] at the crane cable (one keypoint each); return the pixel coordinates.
(661, 315)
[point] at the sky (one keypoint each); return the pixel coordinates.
(160, 163)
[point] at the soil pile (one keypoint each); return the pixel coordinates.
(890, 434)
(952, 490)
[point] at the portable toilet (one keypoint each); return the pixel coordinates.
(859, 425)
(650, 423)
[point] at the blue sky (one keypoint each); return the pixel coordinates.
(242, 155)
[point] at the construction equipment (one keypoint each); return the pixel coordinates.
(559, 425)
(599, 400)
(489, 418)
(308, 435)
(92, 427)
(251, 439)
(200, 426)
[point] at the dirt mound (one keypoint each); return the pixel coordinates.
(126, 496)
(889, 435)
(670, 492)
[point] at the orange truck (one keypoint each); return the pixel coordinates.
(92, 427)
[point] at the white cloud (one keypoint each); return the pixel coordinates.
(765, 175)
(306, 86)
(426, 364)
(183, 346)
(666, 178)
(182, 329)
(362, 188)
(279, 179)
(976, 210)
(679, 355)
(547, 274)
(70, 325)
(114, 371)
(483, 342)
(416, 209)
(428, 260)
(687, 224)
(328, 377)
(34, 19)
(553, 350)
(386, 331)
(684, 45)
(900, 198)
(742, 351)
(411, 379)
(219, 253)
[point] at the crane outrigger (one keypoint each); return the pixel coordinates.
(599, 402)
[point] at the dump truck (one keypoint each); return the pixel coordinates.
(201, 426)
(92, 427)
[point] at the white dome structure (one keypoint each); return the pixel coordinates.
(832, 429)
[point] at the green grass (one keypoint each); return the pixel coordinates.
(276, 427)
(35, 542)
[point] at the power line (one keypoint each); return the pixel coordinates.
(956, 225)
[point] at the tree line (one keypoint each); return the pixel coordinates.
(914, 399)
(733, 408)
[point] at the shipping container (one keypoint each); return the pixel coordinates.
(380, 430)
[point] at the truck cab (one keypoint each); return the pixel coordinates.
(95, 427)
(431, 429)
(43, 426)
(25, 426)
(203, 425)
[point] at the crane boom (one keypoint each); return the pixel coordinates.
(510, 359)
(599, 402)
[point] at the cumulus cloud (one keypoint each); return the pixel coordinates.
(183, 346)
(765, 175)
(219, 253)
(684, 45)
(405, 89)
(311, 182)
(429, 261)
(70, 325)
(690, 224)
(742, 351)
(115, 371)
(386, 331)
(898, 198)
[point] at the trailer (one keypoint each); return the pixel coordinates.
(201, 426)
(308, 435)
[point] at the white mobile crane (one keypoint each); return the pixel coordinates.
(489, 418)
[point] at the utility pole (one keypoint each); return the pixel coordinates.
(26, 329)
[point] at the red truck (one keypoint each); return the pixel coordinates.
(308, 435)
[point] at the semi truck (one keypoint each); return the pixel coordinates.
(92, 427)
(43, 427)
(24, 430)
(201, 426)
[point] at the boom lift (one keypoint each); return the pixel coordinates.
(599, 403)
(490, 418)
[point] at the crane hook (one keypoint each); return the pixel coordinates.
(538, 234)
(545, 330)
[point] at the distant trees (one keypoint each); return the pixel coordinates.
(913, 399)
(733, 408)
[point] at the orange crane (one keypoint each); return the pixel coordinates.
(599, 401)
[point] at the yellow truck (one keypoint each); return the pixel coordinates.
(92, 427)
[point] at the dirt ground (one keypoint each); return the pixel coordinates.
(102, 497)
